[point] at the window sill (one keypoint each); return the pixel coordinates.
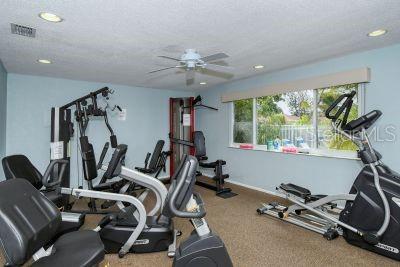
(313, 152)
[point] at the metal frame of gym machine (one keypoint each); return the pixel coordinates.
(62, 131)
(139, 212)
(183, 143)
(323, 213)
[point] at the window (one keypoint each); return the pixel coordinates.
(243, 121)
(327, 139)
(292, 122)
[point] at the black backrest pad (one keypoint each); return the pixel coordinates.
(199, 143)
(115, 162)
(156, 154)
(19, 166)
(28, 220)
(187, 189)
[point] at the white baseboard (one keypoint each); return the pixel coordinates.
(256, 188)
(250, 187)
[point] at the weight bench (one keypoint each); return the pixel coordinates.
(157, 161)
(219, 177)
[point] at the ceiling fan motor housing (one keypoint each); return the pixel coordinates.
(191, 59)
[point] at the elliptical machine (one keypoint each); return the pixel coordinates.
(371, 216)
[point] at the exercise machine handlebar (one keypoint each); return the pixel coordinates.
(103, 155)
(45, 179)
(171, 203)
(345, 107)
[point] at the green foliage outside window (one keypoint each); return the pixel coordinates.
(243, 121)
(326, 97)
(297, 116)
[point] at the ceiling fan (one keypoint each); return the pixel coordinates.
(191, 61)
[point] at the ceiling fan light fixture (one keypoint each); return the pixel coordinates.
(50, 17)
(377, 33)
(258, 67)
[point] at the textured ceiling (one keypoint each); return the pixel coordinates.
(118, 41)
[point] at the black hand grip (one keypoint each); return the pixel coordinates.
(146, 161)
(103, 155)
(336, 102)
(51, 166)
(114, 142)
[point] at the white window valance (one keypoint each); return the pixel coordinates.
(361, 75)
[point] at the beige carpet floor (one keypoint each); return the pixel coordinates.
(253, 240)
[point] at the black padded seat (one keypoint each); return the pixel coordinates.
(19, 166)
(29, 221)
(81, 248)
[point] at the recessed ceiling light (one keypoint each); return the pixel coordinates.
(377, 33)
(44, 61)
(257, 67)
(50, 17)
(202, 83)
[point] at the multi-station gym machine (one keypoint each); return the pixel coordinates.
(62, 130)
(185, 140)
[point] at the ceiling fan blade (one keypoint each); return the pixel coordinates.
(190, 76)
(218, 67)
(216, 73)
(176, 59)
(161, 69)
(214, 57)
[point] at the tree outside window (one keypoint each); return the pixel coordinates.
(243, 121)
(292, 122)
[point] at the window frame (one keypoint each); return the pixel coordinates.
(314, 151)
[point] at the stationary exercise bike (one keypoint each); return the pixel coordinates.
(370, 218)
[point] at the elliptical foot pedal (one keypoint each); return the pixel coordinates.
(295, 190)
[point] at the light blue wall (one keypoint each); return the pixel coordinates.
(30, 99)
(3, 112)
(326, 175)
